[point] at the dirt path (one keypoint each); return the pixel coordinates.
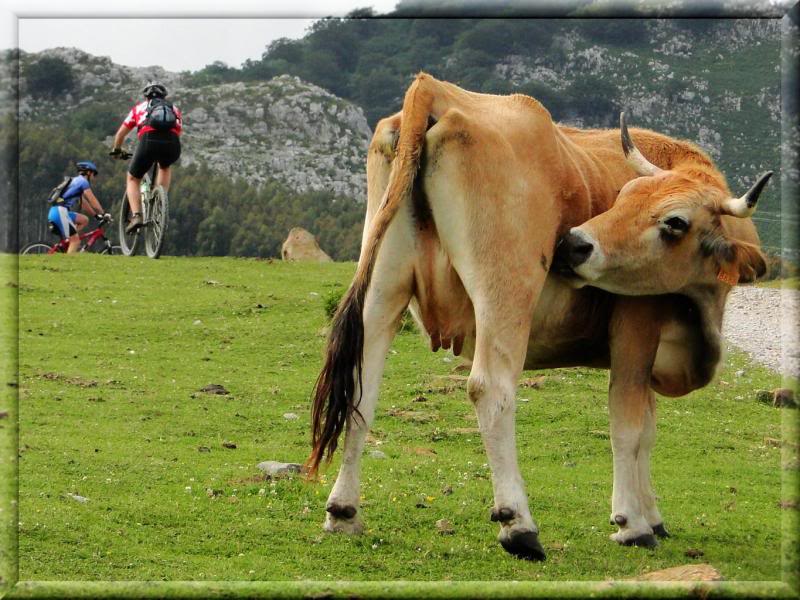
(764, 323)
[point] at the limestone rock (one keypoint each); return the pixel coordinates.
(302, 245)
(272, 468)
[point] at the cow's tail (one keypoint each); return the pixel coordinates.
(334, 395)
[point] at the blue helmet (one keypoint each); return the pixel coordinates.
(87, 165)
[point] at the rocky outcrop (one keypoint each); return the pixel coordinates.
(284, 129)
(302, 245)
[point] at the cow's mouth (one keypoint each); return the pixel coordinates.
(561, 263)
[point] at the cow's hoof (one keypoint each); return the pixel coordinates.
(352, 526)
(524, 545)
(660, 531)
(342, 519)
(643, 540)
(341, 511)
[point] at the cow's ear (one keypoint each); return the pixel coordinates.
(739, 262)
(751, 262)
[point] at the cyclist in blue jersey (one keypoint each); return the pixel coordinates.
(77, 196)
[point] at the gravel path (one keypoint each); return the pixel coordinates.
(764, 323)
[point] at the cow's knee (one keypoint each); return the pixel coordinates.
(476, 387)
(491, 396)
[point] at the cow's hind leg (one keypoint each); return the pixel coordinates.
(384, 304)
(499, 356)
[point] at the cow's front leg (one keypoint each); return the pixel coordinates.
(634, 337)
(492, 388)
(628, 406)
(647, 496)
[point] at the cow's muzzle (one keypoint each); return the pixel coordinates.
(572, 251)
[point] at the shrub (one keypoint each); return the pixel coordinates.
(50, 76)
(334, 297)
(331, 302)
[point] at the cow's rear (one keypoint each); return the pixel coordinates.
(450, 232)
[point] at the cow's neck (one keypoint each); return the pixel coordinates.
(710, 301)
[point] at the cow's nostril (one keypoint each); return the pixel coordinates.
(579, 251)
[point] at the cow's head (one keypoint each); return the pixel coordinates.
(667, 231)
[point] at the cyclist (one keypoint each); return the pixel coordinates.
(158, 132)
(77, 195)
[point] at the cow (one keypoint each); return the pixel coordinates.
(471, 197)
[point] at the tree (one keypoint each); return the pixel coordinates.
(50, 76)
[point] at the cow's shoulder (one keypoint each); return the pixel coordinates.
(532, 105)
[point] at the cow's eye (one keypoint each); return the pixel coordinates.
(676, 226)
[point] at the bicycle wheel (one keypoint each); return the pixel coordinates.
(36, 248)
(156, 225)
(127, 241)
(101, 247)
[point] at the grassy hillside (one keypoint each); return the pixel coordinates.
(114, 351)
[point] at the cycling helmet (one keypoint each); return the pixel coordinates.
(154, 90)
(87, 165)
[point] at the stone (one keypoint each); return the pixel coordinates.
(78, 498)
(272, 468)
(290, 416)
(377, 454)
(301, 245)
(698, 572)
(444, 527)
(215, 388)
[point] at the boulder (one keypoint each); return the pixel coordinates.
(302, 245)
(274, 469)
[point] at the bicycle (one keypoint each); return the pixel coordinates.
(91, 241)
(155, 215)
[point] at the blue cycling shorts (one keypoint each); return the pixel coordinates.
(64, 220)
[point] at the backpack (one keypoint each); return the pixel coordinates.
(160, 115)
(55, 196)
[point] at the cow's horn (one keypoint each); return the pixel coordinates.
(635, 158)
(746, 205)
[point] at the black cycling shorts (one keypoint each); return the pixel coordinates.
(163, 147)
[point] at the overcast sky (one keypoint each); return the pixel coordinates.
(105, 28)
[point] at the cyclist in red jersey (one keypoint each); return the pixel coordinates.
(158, 124)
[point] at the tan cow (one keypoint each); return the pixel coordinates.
(467, 196)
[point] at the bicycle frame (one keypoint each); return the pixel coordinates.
(87, 239)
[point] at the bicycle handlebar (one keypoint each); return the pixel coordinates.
(121, 155)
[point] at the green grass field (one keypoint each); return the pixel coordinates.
(113, 351)
(8, 442)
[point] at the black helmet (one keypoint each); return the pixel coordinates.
(86, 165)
(154, 90)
